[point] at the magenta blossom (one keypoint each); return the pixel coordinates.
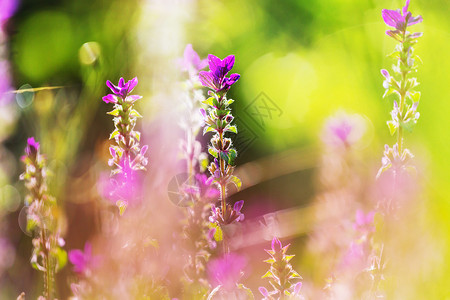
(400, 19)
(32, 147)
(83, 261)
(216, 78)
(121, 90)
(7, 9)
(231, 214)
(226, 270)
(191, 61)
(343, 129)
(364, 222)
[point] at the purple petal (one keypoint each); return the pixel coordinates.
(297, 288)
(110, 98)
(214, 62)
(238, 206)
(385, 73)
(87, 250)
(121, 82)
(276, 245)
(112, 151)
(144, 149)
(202, 64)
(203, 112)
(207, 79)
(113, 88)
(415, 35)
(76, 257)
(132, 84)
(405, 8)
(133, 98)
(391, 17)
(414, 20)
(359, 217)
(228, 62)
(32, 146)
(263, 291)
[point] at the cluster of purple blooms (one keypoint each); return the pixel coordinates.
(218, 119)
(127, 156)
(404, 114)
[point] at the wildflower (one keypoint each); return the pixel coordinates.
(83, 261)
(282, 277)
(226, 271)
(364, 222)
(400, 19)
(191, 61)
(127, 155)
(230, 215)
(216, 78)
(343, 129)
(392, 159)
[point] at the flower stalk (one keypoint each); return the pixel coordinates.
(218, 119)
(282, 277)
(47, 256)
(402, 83)
(127, 155)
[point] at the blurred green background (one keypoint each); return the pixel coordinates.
(309, 57)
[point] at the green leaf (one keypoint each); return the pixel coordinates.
(114, 134)
(268, 274)
(208, 129)
(61, 258)
(137, 134)
(224, 156)
(114, 112)
(212, 151)
(414, 96)
(209, 101)
(31, 224)
(392, 127)
(408, 126)
(231, 156)
(135, 113)
(218, 235)
(232, 129)
(237, 182)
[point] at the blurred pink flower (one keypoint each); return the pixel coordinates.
(84, 261)
(343, 129)
(226, 270)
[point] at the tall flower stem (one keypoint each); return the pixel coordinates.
(47, 255)
(218, 119)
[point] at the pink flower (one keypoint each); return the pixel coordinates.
(83, 261)
(191, 60)
(226, 270)
(400, 19)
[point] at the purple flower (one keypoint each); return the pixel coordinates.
(393, 159)
(32, 147)
(400, 19)
(7, 9)
(230, 215)
(121, 90)
(191, 60)
(364, 222)
(83, 261)
(216, 78)
(226, 270)
(343, 129)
